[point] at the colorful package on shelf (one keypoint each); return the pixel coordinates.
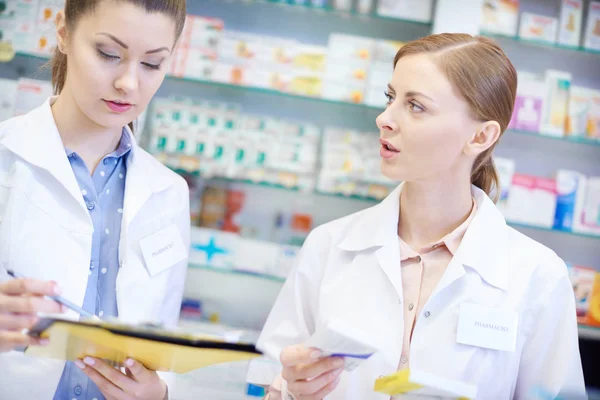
(527, 114)
(191, 309)
(544, 199)
(197, 48)
(506, 171)
(532, 200)
(500, 16)
(248, 49)
(350, 165)
(31, 93)
(343, 92)
(309, 57)
(571, 15)
(590, 219)
(538, 27)
(413, 10)
(20, 24)
(213, 248)
(349, 48)
(8, 97)
(44, 38)
(592, 27)
(556, 104)
(581, 121)
(570, 200)
(586, 286)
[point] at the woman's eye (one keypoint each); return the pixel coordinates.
(389, 97)
(151, 66)
(414, 107)
(108, 57)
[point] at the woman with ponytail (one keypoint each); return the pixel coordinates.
(83, 210)
(433, 277)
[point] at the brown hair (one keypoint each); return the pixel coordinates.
(75, 9)
(478, 68)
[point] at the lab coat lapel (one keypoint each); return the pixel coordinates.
(483, 249)
(377, 230)
(38, 142)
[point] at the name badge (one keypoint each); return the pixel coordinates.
(163, 249)
(486, 327)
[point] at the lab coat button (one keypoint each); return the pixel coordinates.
(411, 306)
(427, 314)
(419, 259)
(403, 359)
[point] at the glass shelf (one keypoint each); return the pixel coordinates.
(544, 229)
(331, 10)
(252, 89)
(570, 139)
(237, 272)
(539, 43)
(373, 201)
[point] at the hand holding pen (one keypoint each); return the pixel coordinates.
(20, 302)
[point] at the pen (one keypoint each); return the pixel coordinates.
(59, 299)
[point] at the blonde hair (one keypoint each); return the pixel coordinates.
(484, 76)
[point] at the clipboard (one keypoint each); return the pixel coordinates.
(155, 348)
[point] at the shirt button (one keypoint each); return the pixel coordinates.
(105, 161)
(78, 390)
(411, 306)
(403, 359)
(90, 205)
(92, 265)
(427, 314)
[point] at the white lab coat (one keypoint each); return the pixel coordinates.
(46, 233)
(349, 269)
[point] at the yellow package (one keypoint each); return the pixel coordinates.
(424, 384)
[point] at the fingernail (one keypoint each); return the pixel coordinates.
(338, 372)
(57, 290)
(89, 361)
(129, 362)
(44, 342)
(64, 308)
(315, 354)
(338, 363)
(79, 364)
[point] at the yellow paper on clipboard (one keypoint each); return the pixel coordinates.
(157, 349)
(411, 381)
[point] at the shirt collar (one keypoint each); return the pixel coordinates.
(451, 241)
(125, 145)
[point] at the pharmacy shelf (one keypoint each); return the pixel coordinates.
(544, 229)
(253, 89)
(537, 43)
(589, 332)
(249, 89)
(373, 201)
(330, 10)
(238, 272)
(570, 139)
